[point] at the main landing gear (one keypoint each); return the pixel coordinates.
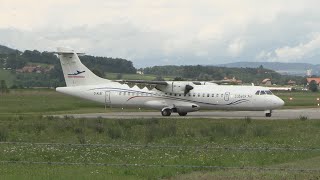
(268, 113)
(167, 112)
(182, 113)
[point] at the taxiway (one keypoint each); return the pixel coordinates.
(313, 113)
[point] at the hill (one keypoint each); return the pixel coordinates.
(43, 69)
(283, 68)
(208, 73)
(6, 50)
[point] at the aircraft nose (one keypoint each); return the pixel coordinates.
(279, 102)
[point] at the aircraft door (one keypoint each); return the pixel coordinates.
(107, 98)
(226, 96)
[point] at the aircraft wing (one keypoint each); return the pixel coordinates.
(143, 83)
(165, 86)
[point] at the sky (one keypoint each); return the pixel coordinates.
(167, 32)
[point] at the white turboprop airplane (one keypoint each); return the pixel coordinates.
(167, 96)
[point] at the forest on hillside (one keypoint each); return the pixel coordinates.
(208, 73)
(15, 60)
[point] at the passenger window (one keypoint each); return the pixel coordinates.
(199, 95)
(208, 95)
(194, 94)
(170, 94)
(203, 95)
(179, 94)
(212, 95)
(258, 92)
(175, 94)
(221, 95)
(262, 93)
(119, 93)
(217, 95)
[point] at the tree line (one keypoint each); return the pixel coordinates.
(209, 73)
(54, 77)
(100, 65)
(105, 64)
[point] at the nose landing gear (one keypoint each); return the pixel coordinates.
(268, 113)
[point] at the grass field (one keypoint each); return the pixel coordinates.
(7, 76)
(68, 148)
(39, 101)
(299, 99)
(136, 144)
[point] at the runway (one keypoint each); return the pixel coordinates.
(283, 114)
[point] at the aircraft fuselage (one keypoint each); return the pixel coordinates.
(202, 97)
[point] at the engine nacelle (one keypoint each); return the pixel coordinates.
(176, 87)
(183, 107)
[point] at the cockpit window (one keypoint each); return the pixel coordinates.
(269, 92)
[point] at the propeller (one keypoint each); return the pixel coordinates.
(187, 89)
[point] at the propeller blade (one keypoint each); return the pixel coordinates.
(187, 89)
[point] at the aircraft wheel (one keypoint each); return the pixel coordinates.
(268, 114)
(166, 112)
(182, 113)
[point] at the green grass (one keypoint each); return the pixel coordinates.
(299, 99)
(7, 76)
(194, 133)
(38, 101)
(21, 121)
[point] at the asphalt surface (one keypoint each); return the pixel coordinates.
(313, 113)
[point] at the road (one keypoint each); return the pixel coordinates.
(313, 113)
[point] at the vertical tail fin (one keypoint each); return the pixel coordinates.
(75, 73)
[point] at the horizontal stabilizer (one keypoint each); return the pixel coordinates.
(66, 51)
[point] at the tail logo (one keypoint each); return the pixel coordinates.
(76, 74)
